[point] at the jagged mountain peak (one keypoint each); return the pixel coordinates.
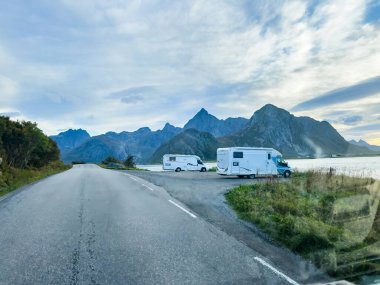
(74, 132)
(70, 139)
(202, 111)
(206, 122)
(168, 127)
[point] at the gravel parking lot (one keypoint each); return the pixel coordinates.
(203, 193)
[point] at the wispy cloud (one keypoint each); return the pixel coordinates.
(10, 114)
(360, 90)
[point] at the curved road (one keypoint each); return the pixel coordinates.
(89, 225)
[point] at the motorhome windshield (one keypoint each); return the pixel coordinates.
(281, 161)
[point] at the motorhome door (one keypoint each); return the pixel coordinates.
(237, 158)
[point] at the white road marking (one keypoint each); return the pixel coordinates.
(290, 280)
(130, 176)
(151, 189)
(182, 208)
(146, 186)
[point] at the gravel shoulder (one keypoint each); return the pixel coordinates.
(204, 193)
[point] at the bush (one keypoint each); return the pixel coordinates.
(110, 159)
(130, 162)
(23, 145)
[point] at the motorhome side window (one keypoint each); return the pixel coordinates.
(269, 156)
(238, 154)
(199, 161)
(172, 158)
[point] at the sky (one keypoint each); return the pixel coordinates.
(114, 65)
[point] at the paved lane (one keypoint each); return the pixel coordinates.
(94, 226)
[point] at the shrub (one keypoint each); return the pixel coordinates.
(130, 162)
(110, 159)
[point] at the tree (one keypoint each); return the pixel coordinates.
(23, 144)
(110, 159)
(130, 162)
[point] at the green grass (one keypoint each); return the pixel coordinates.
(13, 178)
(121, 167)
(212, 169)
(327, 218)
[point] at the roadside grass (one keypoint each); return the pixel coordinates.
(332, 220)
(13, 178)
(212, 169)
(120, 167)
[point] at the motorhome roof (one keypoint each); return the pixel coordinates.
(246, 148)
(188, 155)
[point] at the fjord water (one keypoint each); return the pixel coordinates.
(355, 166)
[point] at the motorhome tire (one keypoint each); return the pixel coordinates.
(252, 176)
(203, 169)
(178, 169)
(287, 174)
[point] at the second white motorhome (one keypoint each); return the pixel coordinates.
(182, 162)
(251, 162)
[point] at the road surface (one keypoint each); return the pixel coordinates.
(89, 225)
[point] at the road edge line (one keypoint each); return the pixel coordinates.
(183, 209)
(287, 278)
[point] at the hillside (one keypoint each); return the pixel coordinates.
(293, 136)
(190, 141)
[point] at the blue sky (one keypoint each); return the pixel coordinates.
(120, 65)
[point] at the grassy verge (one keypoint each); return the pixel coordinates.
(13, 178)
(212, 169)
(332, 220)
(120, 167)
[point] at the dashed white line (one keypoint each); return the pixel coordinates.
(182, 208)
(130, 176)
(263, 262)
(151, 189)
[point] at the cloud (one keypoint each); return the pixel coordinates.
(10, 114)
(360, 90)
(117, 59)
(351, 120)
(369, 127)
(132, 95)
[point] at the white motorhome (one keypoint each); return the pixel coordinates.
(181, 162)
(251, 162)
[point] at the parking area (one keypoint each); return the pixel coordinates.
(204, 193)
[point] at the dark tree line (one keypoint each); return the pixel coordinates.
(23, 144)
(129, 162)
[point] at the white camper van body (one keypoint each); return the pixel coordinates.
(181, 162)
(248, 161)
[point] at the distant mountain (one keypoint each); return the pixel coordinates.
(363, 143)
(70, 139)
(203, 121)
(293, 136)
(190, 141)
(268, 127)
(141, 143)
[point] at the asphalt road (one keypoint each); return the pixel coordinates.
(94, 226)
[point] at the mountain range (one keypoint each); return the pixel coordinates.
(269, 126)
(365, 144)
